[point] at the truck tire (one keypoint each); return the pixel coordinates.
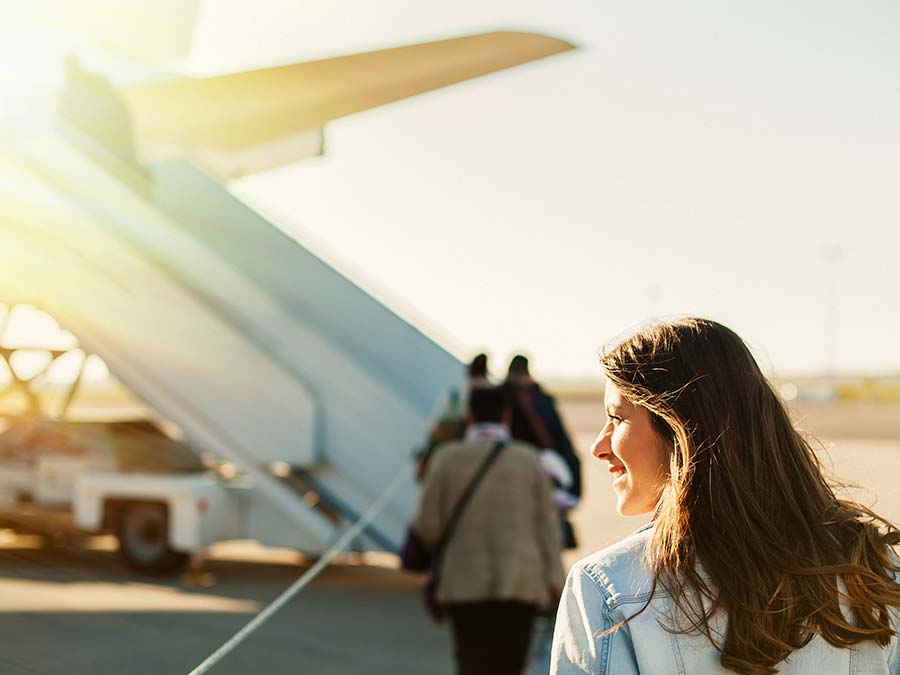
(143, 533)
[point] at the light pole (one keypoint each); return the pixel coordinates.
(832, 255)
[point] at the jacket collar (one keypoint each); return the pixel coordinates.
(487, 431)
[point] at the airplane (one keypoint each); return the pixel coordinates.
(117, 220)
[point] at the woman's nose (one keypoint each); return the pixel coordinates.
(601, 448)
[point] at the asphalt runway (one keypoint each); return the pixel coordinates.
(66, 610)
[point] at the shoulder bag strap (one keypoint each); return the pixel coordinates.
(466, 496)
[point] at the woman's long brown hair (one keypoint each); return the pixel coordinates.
(747, 523)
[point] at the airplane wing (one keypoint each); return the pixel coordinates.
(246, 122)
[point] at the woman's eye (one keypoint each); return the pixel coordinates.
(615, 418)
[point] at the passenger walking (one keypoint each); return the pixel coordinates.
(450, 421)
(502, 561)
(536, 420)
(750, 564)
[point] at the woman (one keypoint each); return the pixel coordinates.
(750, 564)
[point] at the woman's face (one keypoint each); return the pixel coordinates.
(637, 455)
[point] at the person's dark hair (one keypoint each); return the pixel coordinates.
(747, 503)
(487, 404)
(479, 366)
(518, 365)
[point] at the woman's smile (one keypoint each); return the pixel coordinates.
(636, 454)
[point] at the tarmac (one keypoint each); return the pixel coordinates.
(70, 611)
(69, 607)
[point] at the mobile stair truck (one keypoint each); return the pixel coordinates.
(116, 220)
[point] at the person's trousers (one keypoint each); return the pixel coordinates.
(491, 638)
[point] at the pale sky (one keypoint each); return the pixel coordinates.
(692, 158)
(695, 158)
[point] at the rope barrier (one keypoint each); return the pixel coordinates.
(377, 506)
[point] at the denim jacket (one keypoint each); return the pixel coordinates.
(613, 584)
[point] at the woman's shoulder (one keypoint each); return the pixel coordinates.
(620, 571)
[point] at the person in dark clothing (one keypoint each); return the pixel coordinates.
(478, 371)
(536, 420)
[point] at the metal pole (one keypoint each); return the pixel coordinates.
(346, 539)
(831, 255)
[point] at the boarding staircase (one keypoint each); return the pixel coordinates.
(259, 351)
(116, 219)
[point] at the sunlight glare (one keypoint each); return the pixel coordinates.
(38, 70)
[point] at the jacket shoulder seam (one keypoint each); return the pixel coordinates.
(613, 600)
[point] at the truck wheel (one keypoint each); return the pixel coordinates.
(143, 532)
